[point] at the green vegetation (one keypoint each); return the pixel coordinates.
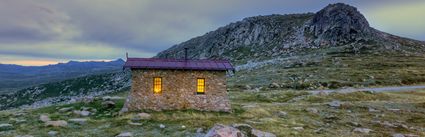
(336, 71)
(394, 112)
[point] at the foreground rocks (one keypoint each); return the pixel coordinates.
(58, 123)
(224, 131)
(125, 134)
(80, 121)
(236, 130)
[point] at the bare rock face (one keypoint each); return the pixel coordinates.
(338, 24)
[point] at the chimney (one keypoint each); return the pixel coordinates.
(185, 53)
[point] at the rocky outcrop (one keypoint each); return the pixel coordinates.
(273, 36)
(338, 24)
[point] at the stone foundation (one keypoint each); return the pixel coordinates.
(178, 91)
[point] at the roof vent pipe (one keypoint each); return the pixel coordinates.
(185, 53)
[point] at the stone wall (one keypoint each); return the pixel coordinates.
(178, 91)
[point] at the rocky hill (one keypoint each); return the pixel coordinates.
(332, 48)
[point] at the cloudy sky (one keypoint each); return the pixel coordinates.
(40, 32)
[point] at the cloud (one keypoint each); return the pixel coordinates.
(105, 29)
(406, 19)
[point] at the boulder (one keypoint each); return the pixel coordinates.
(141, 116)
(125, 134)
(80, 121)
(362, 130)
(24, 136)
(108, 104)
(312, 110)
(298, 128)
(258, 133)
(282, 114)
(5, 127)
(244, 128)
(62, 110)
(59, 123)
(83, 113)
(220, 130)
(335, 104)
(52, 133)
(44, 118)
(398, 135)
(274, 85)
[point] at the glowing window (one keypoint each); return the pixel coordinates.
(201, 86)
(157, 85)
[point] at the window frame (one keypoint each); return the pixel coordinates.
(154, 84)
(197, 86)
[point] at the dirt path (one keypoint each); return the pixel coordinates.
(380, 89)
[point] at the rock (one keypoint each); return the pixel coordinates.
(134, 123)
(141, 116)
(282, 114)
(62, 110)
(108, 104)
(199, 130)
(52, 133)
(248, 87)
(398, 135)
(298, 128)
(24, 136)
(80, 121)
(274, 85)
(335, 104)
(125, 134)
(319, 130)
(373, 110)
(312, 110)
(220, 130)
(244, 128)
(369, 91)
(393, 109)
(44, 118)
(338, 24)
(105, 98)
(144, 116)
(5, 127)
(362, 130)
(59, 123)
(258, 133)
(354, 124)
(83, 113)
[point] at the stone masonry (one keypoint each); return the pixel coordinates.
(178, 91)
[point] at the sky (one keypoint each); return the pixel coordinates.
(41, 32)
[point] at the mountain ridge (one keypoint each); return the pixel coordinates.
(13, 77)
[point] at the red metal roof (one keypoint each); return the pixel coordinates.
(158, 63)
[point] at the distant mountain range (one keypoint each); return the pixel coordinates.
(13, 77)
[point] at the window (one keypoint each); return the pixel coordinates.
(157, 85)
(201, 86)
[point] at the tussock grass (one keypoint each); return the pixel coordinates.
(258, 109)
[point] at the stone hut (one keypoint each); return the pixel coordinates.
(172, 84)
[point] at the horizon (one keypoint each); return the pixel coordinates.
(50, 32)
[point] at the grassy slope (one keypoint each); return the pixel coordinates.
(315, 71)
(257, 109)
